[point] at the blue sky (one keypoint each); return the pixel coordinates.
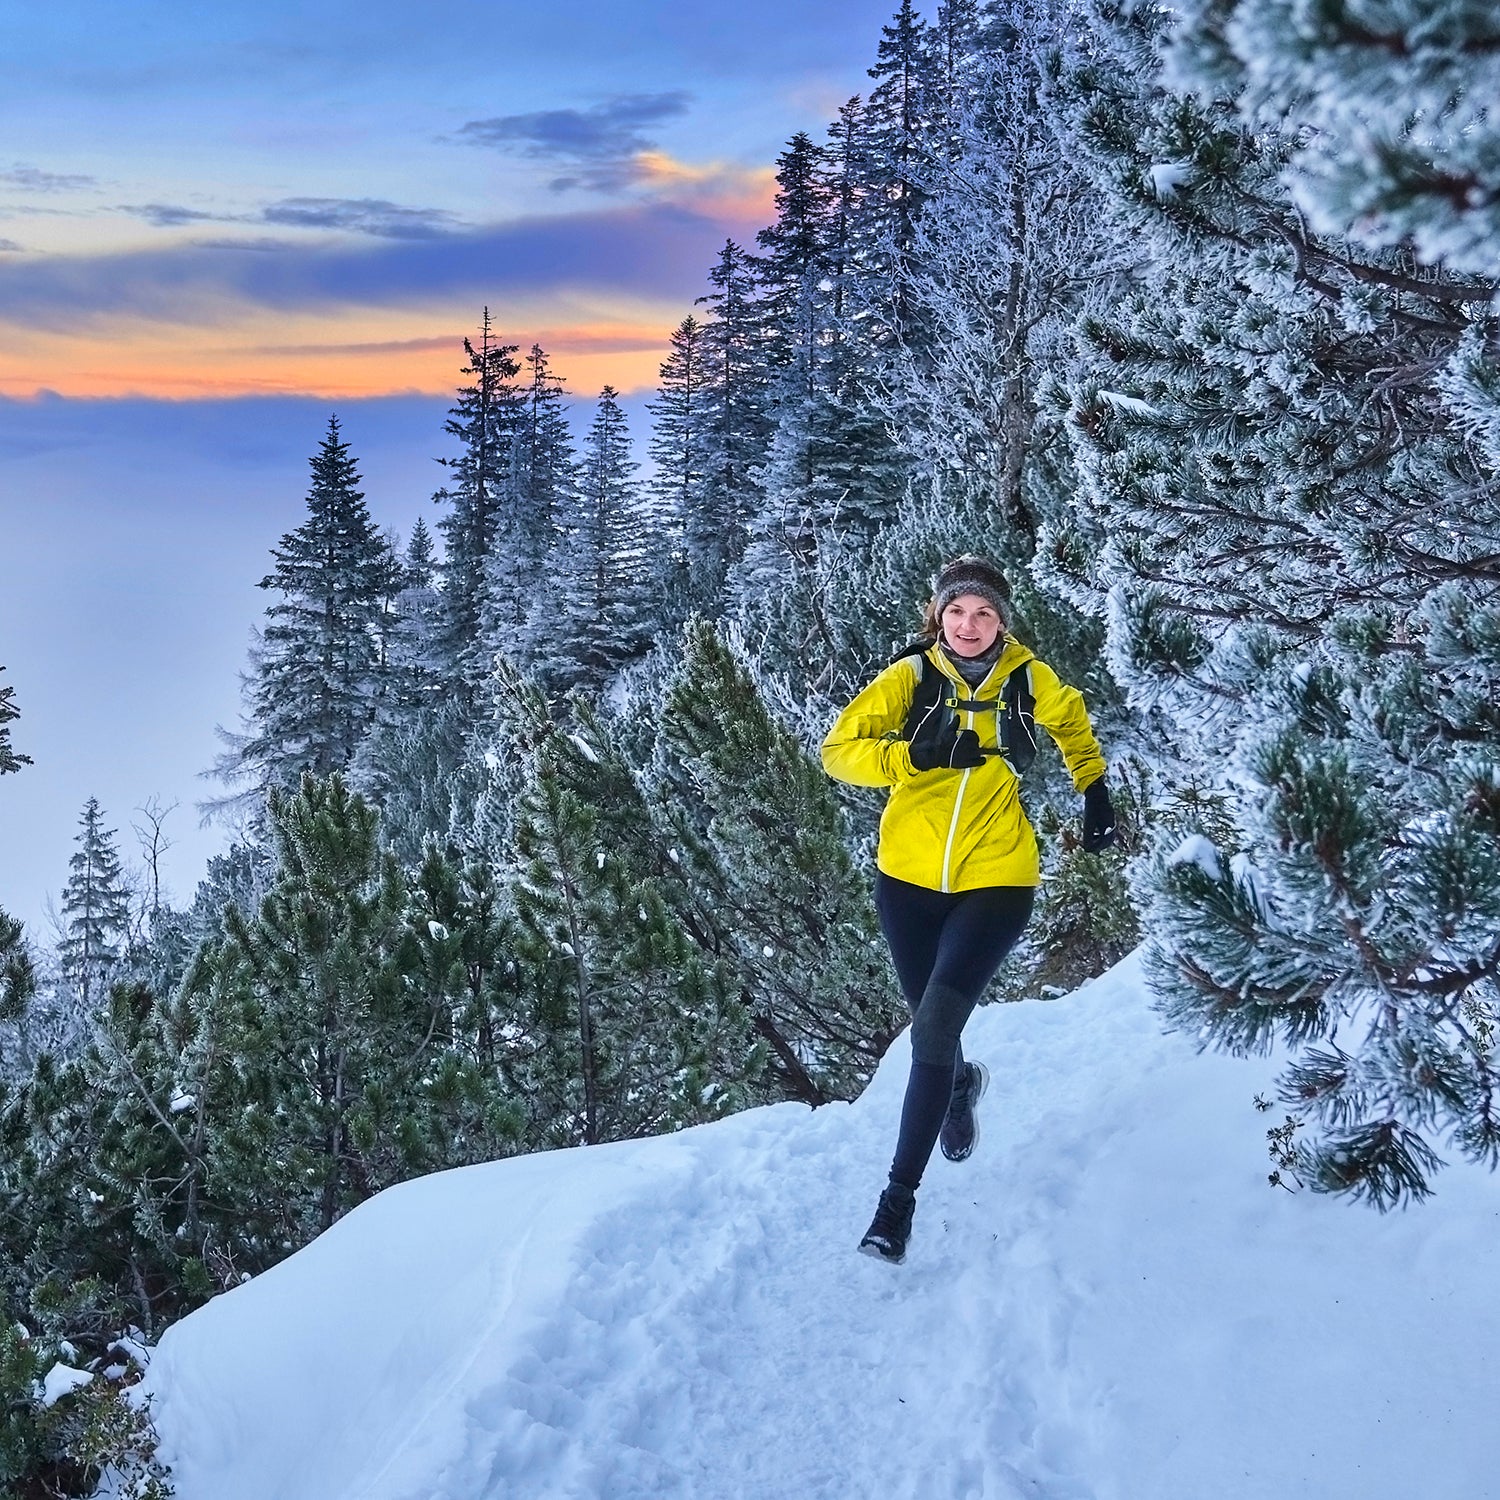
(217, 227)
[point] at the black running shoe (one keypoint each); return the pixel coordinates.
(960, 1132)
(891, 1228)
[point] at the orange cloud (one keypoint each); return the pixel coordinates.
(719, 189)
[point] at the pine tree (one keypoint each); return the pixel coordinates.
(339, 1028)
(1296, 525)
(95, 908)
(1397, 143)
(636, 1031)
(462, 919)
(9, 759)
(484, 420)
(316, 672)
(766, 876)
(601, 600)
(17, 974)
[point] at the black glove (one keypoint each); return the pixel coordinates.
(1098, 817)
(958, 750)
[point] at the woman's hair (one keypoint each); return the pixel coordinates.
(968, 574)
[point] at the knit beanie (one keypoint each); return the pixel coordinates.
(971, 575)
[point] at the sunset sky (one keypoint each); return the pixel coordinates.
(218, 224)
(317, 197)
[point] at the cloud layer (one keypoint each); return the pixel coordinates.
(651, 250)
(378, 217)
(34, 180)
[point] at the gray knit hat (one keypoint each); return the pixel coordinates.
(971, 575)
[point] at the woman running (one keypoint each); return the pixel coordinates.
(947, 728)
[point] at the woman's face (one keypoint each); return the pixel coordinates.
(970, 625)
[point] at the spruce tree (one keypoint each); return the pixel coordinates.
(831, 473)
(316, 676)
(484, 420)
(96, 914)
(414, 657)
(893, 196)
(791, 268)
(679, 456)
(539, 495)
(737, 428)
(426, 773)
(600, 607)
(846, 174)
(416, 764)
(10, 760)
(951, 44)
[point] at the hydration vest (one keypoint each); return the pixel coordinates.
(937, 703)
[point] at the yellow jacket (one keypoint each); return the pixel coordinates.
(956, 830)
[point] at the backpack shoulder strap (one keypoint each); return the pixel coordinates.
(927, 699)
(1018, 719)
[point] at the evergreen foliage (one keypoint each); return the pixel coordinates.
(600, 610)
(413, 665)
(679, 452)
(17, 973)
(892, 201)
(1002, 261)
(1285, 466)
(540, 497)
(637, 1030)
(484, 420)
(317, 674)
(67, 1446)
(1395, 139)
(343, 1076)
(96, 916)
(1184, 314)
(764, 855)
(10, 758)
(426, 775)
(736, 427)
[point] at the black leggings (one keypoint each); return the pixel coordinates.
(945, 947)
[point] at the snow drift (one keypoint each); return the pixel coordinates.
(1108, 1302)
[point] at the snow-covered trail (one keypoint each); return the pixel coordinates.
(1106, 1303)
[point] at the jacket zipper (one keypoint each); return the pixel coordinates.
(958, 803)
(958, 800)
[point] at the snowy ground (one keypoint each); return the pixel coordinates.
(1106, 1303)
